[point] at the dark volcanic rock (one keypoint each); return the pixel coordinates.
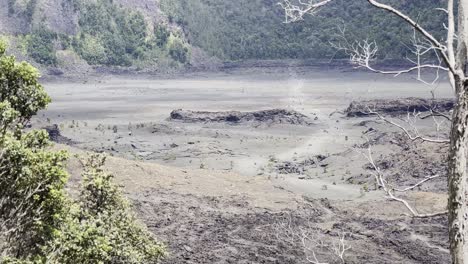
(203, 229)
(300, 167)
(398, 106)
(55, 71)
(274, 116)
(408, 163)
(56, 136)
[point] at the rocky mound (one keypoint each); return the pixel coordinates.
(300, 167)
(56, 136)
(398, 106)
(269, 117)
(415, 161)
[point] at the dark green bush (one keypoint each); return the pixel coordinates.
(161, 35)
(178, 50)
(121, 34)
(40, 222)
(40, 46)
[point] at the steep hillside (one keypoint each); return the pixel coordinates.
(103, 32)
(254, 29)
(163, 34)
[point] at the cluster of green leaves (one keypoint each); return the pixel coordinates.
(101, 227)
(111, 35)
(254, 29)
(161, 35)
(40, 45)
(108, 35)
(178, 50)
(32, 180)
(39, 221)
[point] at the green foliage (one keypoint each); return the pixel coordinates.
(254, 29)
(39, 221)
(7, 116)
(19, 86)
(90, 49)
(32, 178)
(178, 49)
(161, 35)
(108, 34)
(33, 181)
(3, 47)
(40, 46)
(107, 230)
(65, 40)
(111, 35)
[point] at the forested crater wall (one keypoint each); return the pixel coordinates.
(161, 34)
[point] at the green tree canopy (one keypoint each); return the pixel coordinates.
(39, 221)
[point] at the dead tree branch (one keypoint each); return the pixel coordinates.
(363, 53)
(312, 240)
(389, 191)
(412, 136)
(296, 12)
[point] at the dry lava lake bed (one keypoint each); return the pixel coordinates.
(263, 165)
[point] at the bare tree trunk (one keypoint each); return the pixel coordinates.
(462, 55)
(457, 206)
(457, 175)
(451, 39)
(462, 34)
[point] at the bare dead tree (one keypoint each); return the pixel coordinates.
(391, 191)
(313, 242)
(296, 12)
(411, 130)
(363, 53)
(453, 58)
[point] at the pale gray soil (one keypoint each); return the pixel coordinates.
(129, 118)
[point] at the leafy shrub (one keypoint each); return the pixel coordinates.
(39, 221)
(32, 179)
(108, 35)
(119, 35)
(40, 46)
(101, 226)
(178, 50)
(90, 49)
(161, 35)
